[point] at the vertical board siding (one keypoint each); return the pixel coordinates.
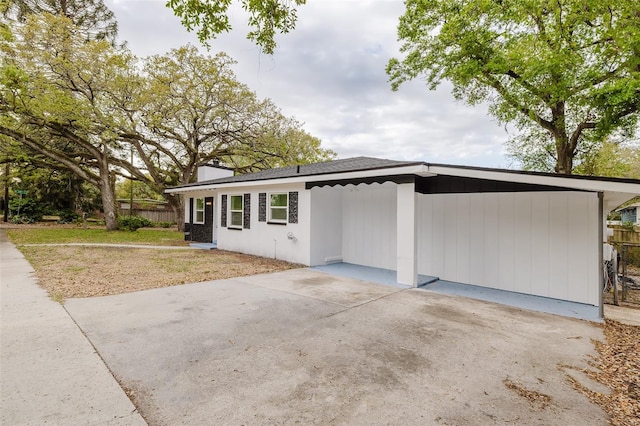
(542, 243)
(523, 242)
(506, 242)
(462, 238)
(580, 220)
(438, 235)
(424, 226)
(558, 239)
(450, 238)
(490, 205)
(369, 225)
(477, 264)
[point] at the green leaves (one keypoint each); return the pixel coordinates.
(91, 18)
(208, 17)
(568, 67)
(197, 111)
(266, 18)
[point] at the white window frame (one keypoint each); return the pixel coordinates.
(285, 208)
(232, 211)
(196, 210)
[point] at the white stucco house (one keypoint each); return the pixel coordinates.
(533, 233)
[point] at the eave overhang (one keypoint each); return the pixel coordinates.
(615, 191)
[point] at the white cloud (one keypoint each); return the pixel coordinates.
(330, 74)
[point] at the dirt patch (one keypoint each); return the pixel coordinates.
(72, 271)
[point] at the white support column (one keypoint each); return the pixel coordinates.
(407, 272)
(602, 221)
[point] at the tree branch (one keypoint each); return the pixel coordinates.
(575, 136)
(497, 85)
(544, 96)
(50, 153)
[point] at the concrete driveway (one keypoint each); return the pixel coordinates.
(305, 347)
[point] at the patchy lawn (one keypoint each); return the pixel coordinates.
(76, 271)
(73, 234)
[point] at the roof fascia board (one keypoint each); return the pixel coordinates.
(581, 184)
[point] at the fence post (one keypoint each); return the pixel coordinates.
(624, 272)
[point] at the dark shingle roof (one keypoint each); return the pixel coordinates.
(355, 164)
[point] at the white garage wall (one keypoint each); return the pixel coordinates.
(542, 243)
(326, 224)
(269, 240)
(369, 225)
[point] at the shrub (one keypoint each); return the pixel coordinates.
(628, 226)
(133, 223)
(67, 216)
(20, 219)
(164, 224)
(29, 208)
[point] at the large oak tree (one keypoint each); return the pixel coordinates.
(88, 105)
(189, 109)
(56, 100)
(562, 71)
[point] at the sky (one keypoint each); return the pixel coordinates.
(329, 73)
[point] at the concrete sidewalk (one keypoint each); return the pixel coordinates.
(49, 372)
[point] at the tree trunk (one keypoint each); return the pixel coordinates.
(175, 201)
(108, 200)
(564, 163)
(5, 205)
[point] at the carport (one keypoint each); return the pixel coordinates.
(522, 233)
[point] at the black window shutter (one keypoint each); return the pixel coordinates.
(262, 207)
(246, 212)
(190, 210)
(293, 207)
(223, 211)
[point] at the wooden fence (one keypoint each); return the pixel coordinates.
(624, 235)
(152, 215)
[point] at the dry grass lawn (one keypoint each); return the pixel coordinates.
(77, 271)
